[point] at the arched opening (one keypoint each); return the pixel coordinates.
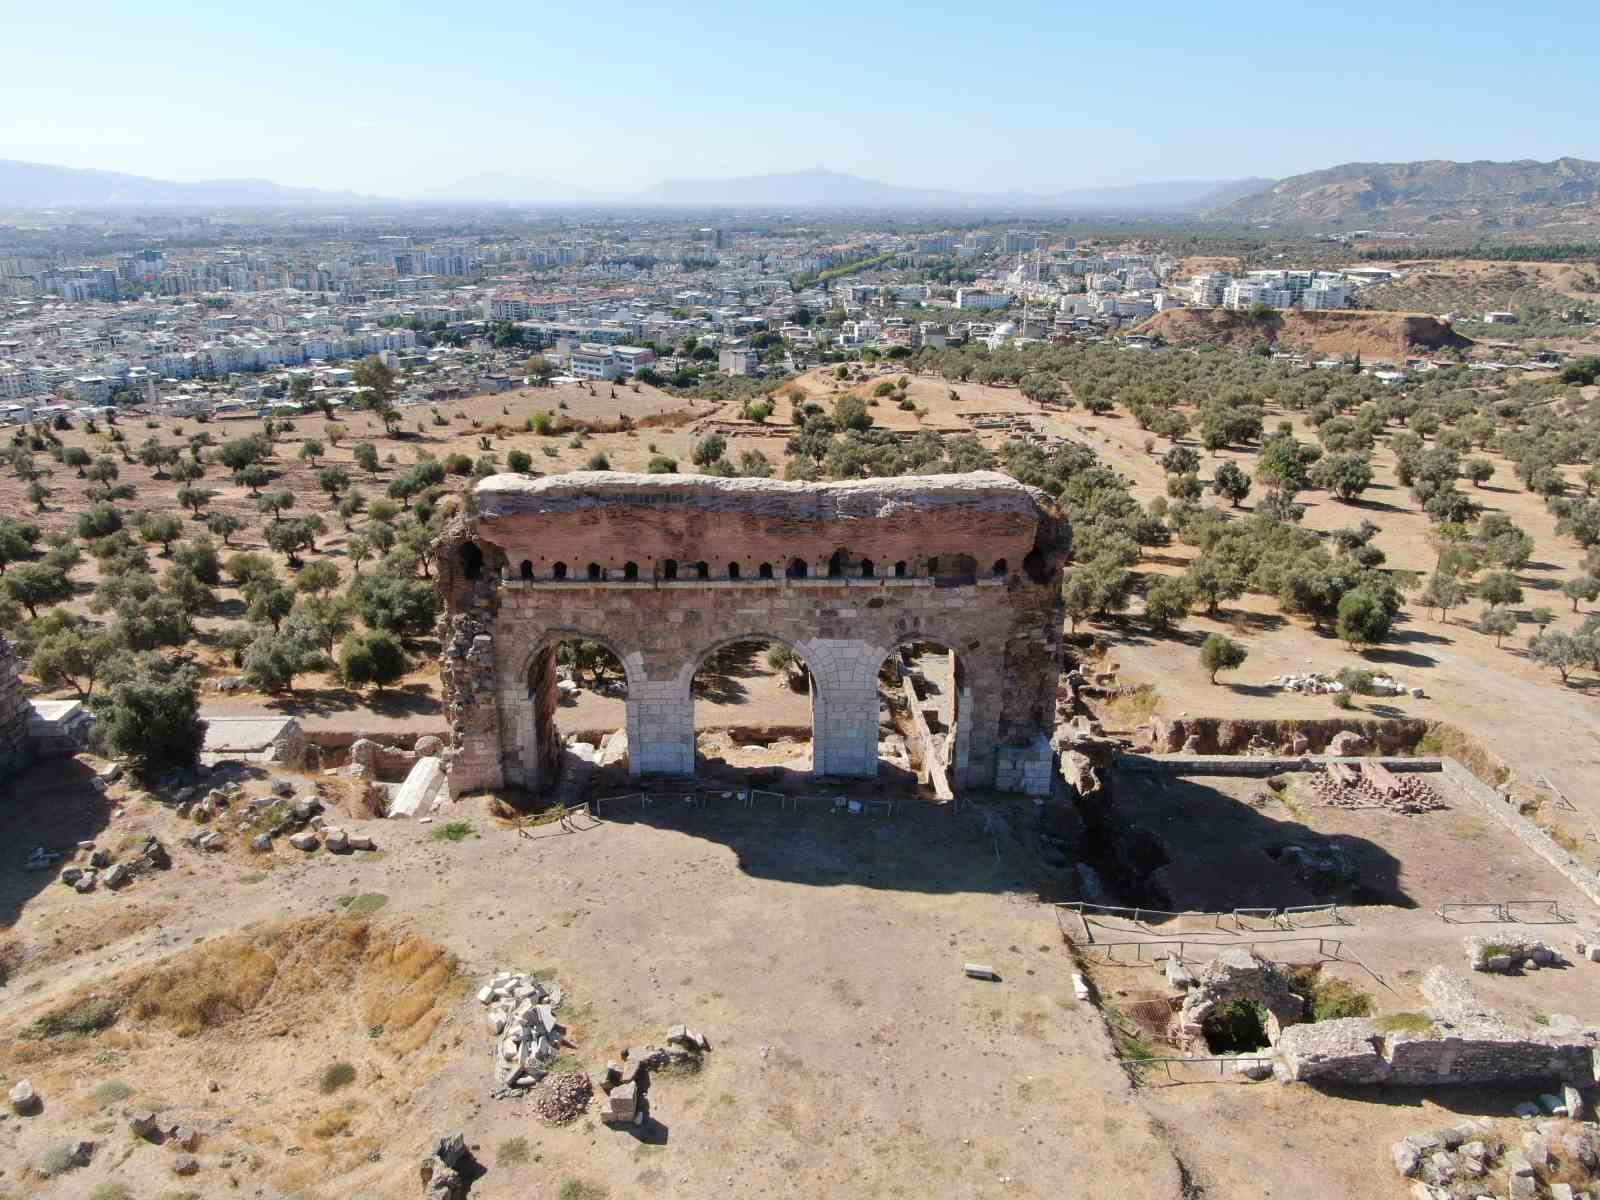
(471, 560)
(836, 563)
(596, 571)
(933, 566)
(630, 570)
(733, 570)
(866, 568)
(900, 569)
(797, 568)
(754, 701)
(669, 569)
(923, 702)
(578, 691)
(702, 570)
(999, 569)
(526, 570)
(559, 571)
(766, 571)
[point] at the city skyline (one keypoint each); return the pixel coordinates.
(390, 103)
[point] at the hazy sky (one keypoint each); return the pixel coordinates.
(397, 98)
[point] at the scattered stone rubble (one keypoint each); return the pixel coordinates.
(152, 856)
(1478, 1158)
(444, 1172)
(1503, 952)
(522, 1018)
(24, 1098)
(626, 1083)
(1320, 683)
(1587, 944)
(1373, 785)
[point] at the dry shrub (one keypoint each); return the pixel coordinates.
(329, 1124)
(12, 956)
(405, 988)
(205, 987)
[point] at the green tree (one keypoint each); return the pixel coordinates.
(1345, 475)
(161, 527)
(224, 525)
(310, 450)
(1560, 651)
(1219, 653)
(1180, 460)
(1499, 623)
(1478, 470)
(1583, 587)
(374, 658)
(333, 480)
(1500, 587)
(1231, 482)
(366, 456)
(1166, 602)
(519, 462)
(35, 583)
(150, 715)
(73, 658)
(706, 451)
(1363, 619)
(272, 660)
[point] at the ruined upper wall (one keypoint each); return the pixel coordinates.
(970, 523)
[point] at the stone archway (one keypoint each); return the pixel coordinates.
(528, 702)
(940, 705)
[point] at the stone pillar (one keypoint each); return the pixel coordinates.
(844, 673)
(661, 726)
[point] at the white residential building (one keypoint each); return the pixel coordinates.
(980, 299)
(593, 361)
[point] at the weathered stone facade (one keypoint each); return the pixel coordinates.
(17, 751)
(664, 569)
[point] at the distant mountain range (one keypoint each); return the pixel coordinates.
(1481, 193)
(820, 188)
(26, 185)
(36, 185)
(1431, 191)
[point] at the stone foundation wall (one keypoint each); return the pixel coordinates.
(1004, 630)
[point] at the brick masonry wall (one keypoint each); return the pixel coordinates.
(1005, 631)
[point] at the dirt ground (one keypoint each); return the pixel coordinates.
(850, 1053)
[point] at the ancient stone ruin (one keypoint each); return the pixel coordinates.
(664, 570)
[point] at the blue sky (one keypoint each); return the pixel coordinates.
(396, 97)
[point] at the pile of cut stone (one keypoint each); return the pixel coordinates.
(1341, 785)
(522, 1015)
(626, 1083)
(1461, 1160)
(1501, 952)
(152, 856)
(563, 1097)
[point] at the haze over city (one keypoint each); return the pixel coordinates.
(405, 99)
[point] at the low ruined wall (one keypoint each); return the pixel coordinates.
(1255, 766)
(1233, 736)
(1355, 1051)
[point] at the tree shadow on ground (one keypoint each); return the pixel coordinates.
(410, 700)
(52, 804)
(1403, 658)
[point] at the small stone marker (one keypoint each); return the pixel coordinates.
(981, 971)
(1080, 989)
